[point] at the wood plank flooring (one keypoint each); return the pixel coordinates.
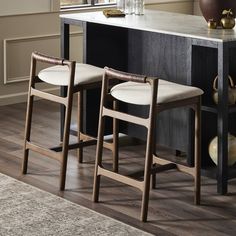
(171, 209)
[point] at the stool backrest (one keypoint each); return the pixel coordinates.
(111, 74)
(39, 57)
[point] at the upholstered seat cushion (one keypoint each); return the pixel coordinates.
(59, 75)
(140, 94)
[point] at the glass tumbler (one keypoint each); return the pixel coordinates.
(139, 7)
(129, 6)
(121, 5)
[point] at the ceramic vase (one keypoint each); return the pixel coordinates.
(213, 147)
(212, 9)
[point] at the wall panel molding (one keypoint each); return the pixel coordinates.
(13, 64)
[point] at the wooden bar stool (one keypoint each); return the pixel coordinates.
(76, 78)
(159, 95)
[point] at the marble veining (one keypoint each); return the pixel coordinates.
(161, 22)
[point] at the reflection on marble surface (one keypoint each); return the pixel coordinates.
(161, 22)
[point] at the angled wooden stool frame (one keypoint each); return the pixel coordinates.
(149, 123)
(194, 104)
(60, 152)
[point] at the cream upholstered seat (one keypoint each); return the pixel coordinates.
(75, 78)
(140, 94)
(159, 95)
(84, 74)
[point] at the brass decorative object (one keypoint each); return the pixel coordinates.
(212, 9)
(231, 91)
(213, 149)
(113, 13)
(228, 21)
(212, 24)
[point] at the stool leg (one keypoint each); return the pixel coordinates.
(197, 150)
(115, 140)
(66, 136)
(29, 112)
(98, 162)
(101, 124)
(153, 180)
(80, 124)
(27, 131)
(149, 152)
(147, 175)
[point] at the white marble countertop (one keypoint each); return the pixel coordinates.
(161, 22)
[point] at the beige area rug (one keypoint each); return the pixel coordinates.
(26, 210)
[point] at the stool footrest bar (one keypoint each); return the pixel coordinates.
(120, 178)
(43, 151)
(75, 145)
(180, 167)
(161, 168)
(86, 138)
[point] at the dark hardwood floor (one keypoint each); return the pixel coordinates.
(171, 209)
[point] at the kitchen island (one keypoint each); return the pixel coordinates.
(171, 46)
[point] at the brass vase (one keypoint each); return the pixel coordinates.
(231, 91)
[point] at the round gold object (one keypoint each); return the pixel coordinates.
(212, 24)
(231, 91)
(228, 22)
(213, 149)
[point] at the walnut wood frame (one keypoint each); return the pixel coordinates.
(149, 123)
(59, 153)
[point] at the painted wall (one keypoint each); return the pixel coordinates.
(22, 34)
(13, 7)
(196, 9)
(185, 7)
